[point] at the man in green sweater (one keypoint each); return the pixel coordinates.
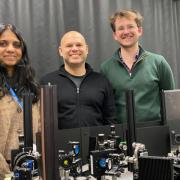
(133, 68)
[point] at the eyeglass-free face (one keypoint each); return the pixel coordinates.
(10, 49)
(73, 49)
(127, 32)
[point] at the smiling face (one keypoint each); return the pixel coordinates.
(73, 49)
(10, 49)
(127, 33)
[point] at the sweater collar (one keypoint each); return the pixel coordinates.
(117, 54)
(62, 70)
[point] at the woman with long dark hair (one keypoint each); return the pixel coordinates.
(16, 78)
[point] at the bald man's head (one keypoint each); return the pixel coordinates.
(72, 34)
(73, 49)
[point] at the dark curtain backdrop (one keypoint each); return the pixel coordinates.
(42, 23)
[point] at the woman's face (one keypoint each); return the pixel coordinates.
(10, 49)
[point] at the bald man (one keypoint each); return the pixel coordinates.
(85, 97)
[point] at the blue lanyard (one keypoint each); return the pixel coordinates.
(14, 96)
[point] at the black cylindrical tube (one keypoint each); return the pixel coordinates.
(131, 128)
(27, 116)
(48, 118)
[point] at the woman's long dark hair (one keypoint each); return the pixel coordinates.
(23, 78)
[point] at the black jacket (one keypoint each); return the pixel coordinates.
(90, 105)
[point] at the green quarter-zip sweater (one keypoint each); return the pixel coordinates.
(149, 75)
